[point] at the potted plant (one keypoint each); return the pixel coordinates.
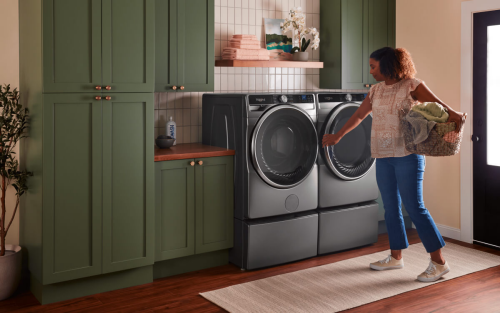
(296, 22)
(13, 124)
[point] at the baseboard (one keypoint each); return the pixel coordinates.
(447, 231)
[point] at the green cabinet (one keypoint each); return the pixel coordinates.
(184, 45)
(350, 31)
(89, 44)
(194, 206)
(72, 187)
(98, 185)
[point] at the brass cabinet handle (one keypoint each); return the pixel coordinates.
(108, 98)
(182, 87)
(174, 87)
(191, 163)
(200, 162)
(108, 87)
(98, 98)
(98, 87)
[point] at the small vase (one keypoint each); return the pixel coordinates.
(301, 56)
(10, 271)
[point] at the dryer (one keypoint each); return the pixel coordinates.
(348, 216)
(276, 177)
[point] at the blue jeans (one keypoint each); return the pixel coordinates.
(402, 178)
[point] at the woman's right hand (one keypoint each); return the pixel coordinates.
(331, 139)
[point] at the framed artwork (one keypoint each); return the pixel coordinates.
(278, 43)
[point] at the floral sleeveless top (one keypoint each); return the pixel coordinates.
(387, 100)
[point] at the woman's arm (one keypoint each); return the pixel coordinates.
(423, 94)
(361, 113)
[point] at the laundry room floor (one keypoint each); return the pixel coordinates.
(477, 292)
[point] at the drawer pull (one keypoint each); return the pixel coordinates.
(200, 162)
(191, 163)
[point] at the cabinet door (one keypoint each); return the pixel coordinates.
(72, 187)
(354, 42)
(214, 203)
(128, 181)
(381, 28)
(195, 45)
(128, 45)
(165, 43)
(174, 219)
(71, 45)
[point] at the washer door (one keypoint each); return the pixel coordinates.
(350, 159)
(284, 146)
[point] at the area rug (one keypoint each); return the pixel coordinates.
(346, 284)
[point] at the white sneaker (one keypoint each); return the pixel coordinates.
(388, 263)
(434, 271)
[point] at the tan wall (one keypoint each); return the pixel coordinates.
(9, 74)
(430, 30)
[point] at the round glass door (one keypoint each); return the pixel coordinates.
(350, 159)
(284, 146)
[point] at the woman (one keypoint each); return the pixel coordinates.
(400, 174)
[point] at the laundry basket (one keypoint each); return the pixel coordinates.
(442, 140)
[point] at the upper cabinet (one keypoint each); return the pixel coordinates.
(184, 45)
(91, 45)
(350, 31)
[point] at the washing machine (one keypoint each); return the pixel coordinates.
(348, 214)
(276, 173)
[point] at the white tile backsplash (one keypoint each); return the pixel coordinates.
(239, 17)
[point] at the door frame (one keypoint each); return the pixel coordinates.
(466, 165)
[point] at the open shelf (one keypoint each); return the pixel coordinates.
(249, 63)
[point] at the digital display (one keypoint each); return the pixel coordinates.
(304, 98)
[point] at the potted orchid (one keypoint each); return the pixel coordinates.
(296, 22)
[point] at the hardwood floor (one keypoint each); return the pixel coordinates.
(477, 292)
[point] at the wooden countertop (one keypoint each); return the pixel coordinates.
(190, 151)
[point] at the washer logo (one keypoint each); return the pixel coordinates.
(328, 98)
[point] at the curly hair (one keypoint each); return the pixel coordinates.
(394, 63)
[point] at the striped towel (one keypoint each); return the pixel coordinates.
(241, 52)
(246, 57)
(245, 37)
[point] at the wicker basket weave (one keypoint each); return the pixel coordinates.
(442, 140)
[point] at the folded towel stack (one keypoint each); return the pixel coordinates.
(244, 47)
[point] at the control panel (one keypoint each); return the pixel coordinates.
(277, 99)
(341, 97)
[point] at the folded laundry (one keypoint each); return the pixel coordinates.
(246, 57)
(245, 41)
(236, 51)
(432, 111)
(420, 126)
(252, 37)
(240, 46)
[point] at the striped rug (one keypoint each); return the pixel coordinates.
(346, 284)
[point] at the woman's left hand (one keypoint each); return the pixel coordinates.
(458, 118)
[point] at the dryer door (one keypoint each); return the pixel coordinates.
(350, 159)
(284, 146)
